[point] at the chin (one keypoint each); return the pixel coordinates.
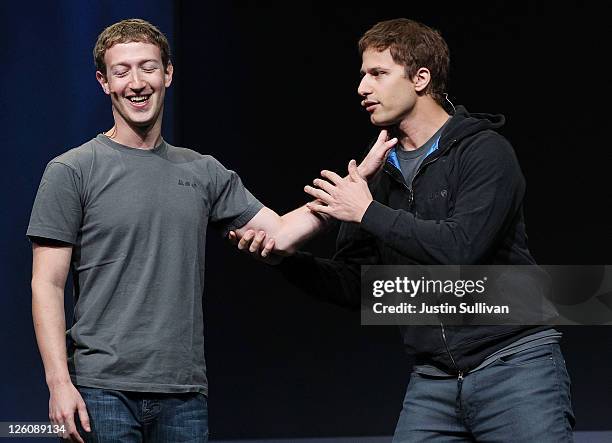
(378, 121)
(142, 124)
(138, 122)
(141, 119)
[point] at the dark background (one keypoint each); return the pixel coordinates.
(270, 91)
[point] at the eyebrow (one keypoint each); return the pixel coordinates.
(150, 60)
(373, 68)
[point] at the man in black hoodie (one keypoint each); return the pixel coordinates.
(450, 193)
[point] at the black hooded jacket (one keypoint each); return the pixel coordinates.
(464, 207)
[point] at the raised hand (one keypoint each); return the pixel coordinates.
(375, 159)
(345, 199)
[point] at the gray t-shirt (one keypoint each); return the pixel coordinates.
(137, 221)
(410, 161)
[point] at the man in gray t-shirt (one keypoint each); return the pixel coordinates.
(127, 213)
(137, 219)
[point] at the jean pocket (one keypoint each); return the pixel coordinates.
(527, 357)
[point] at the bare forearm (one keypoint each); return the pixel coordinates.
(299, 226)
(289, 231)
(50, 328)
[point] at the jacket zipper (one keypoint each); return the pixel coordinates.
(410, 188)
(410, 202)
(450, 145)
(459, 372)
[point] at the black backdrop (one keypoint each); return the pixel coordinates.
(271, 92)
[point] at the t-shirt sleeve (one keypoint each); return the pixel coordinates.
(57, 210)
(233, 205)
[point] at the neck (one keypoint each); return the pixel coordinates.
(132, 136)
(424, 120)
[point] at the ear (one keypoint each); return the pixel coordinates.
(168, 74)
(421, 79)
(103, 82)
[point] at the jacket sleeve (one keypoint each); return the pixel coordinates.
(489, 196)
(336, 280)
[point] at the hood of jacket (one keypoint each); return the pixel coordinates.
(464, 124)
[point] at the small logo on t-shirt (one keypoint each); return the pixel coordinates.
(187, 183)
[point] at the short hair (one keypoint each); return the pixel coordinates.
(130, 30)
(412, 45)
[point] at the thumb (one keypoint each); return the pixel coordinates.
(353, 172)
(390, 143)
(83, 416)
(383, 148)
(382, 137)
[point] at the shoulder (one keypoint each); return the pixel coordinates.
(487, 141)
(487, 147)
(488, 156)
(76, 160)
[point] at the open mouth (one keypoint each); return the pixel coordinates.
(139, 100)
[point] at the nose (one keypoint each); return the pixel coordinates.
(136, 81)
(364, 88)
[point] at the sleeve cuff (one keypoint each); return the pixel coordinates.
(243, 218)
(378, 219)
(50, 234)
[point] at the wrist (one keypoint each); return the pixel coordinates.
(364, 173)
(54, 382)
(363, 210)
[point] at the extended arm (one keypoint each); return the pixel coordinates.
(49, 271)
(285, 234)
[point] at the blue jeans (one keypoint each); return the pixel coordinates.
(120, 416)
(524, 397)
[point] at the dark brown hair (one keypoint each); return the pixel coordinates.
(412, 45)
(130, 30)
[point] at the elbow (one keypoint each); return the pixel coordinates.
(464, 248)
(35, 285)
(44, 288)
(464, 253)
(463, 257)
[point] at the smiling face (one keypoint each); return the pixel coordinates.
(388, 95)
(136, 81)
